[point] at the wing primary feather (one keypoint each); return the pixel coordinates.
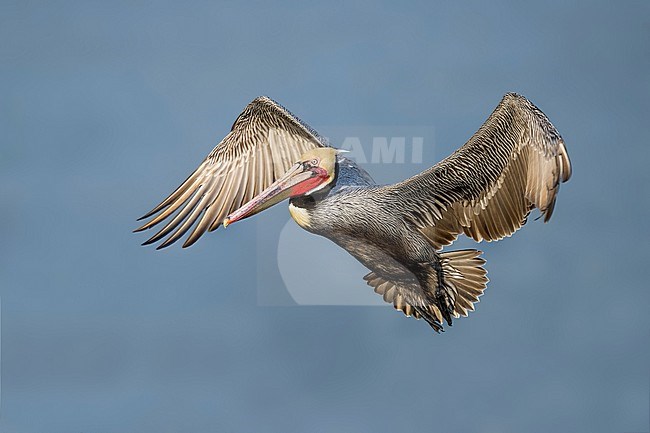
(182, 188)
(213, 192)
(180, 216)
(171, 208)
(224, 203)
(189, 221)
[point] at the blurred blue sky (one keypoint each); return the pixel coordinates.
(107, 106)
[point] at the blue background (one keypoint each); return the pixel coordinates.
(107, 106)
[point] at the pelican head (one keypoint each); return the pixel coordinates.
(314, 171)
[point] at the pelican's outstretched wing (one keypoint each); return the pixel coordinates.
(265, 140)
(487, 188)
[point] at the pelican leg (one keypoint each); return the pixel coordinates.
(444, 295)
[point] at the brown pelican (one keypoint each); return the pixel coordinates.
(485, 190)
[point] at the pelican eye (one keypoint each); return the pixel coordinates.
(314, 162)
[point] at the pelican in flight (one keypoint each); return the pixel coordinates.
(484, 190)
